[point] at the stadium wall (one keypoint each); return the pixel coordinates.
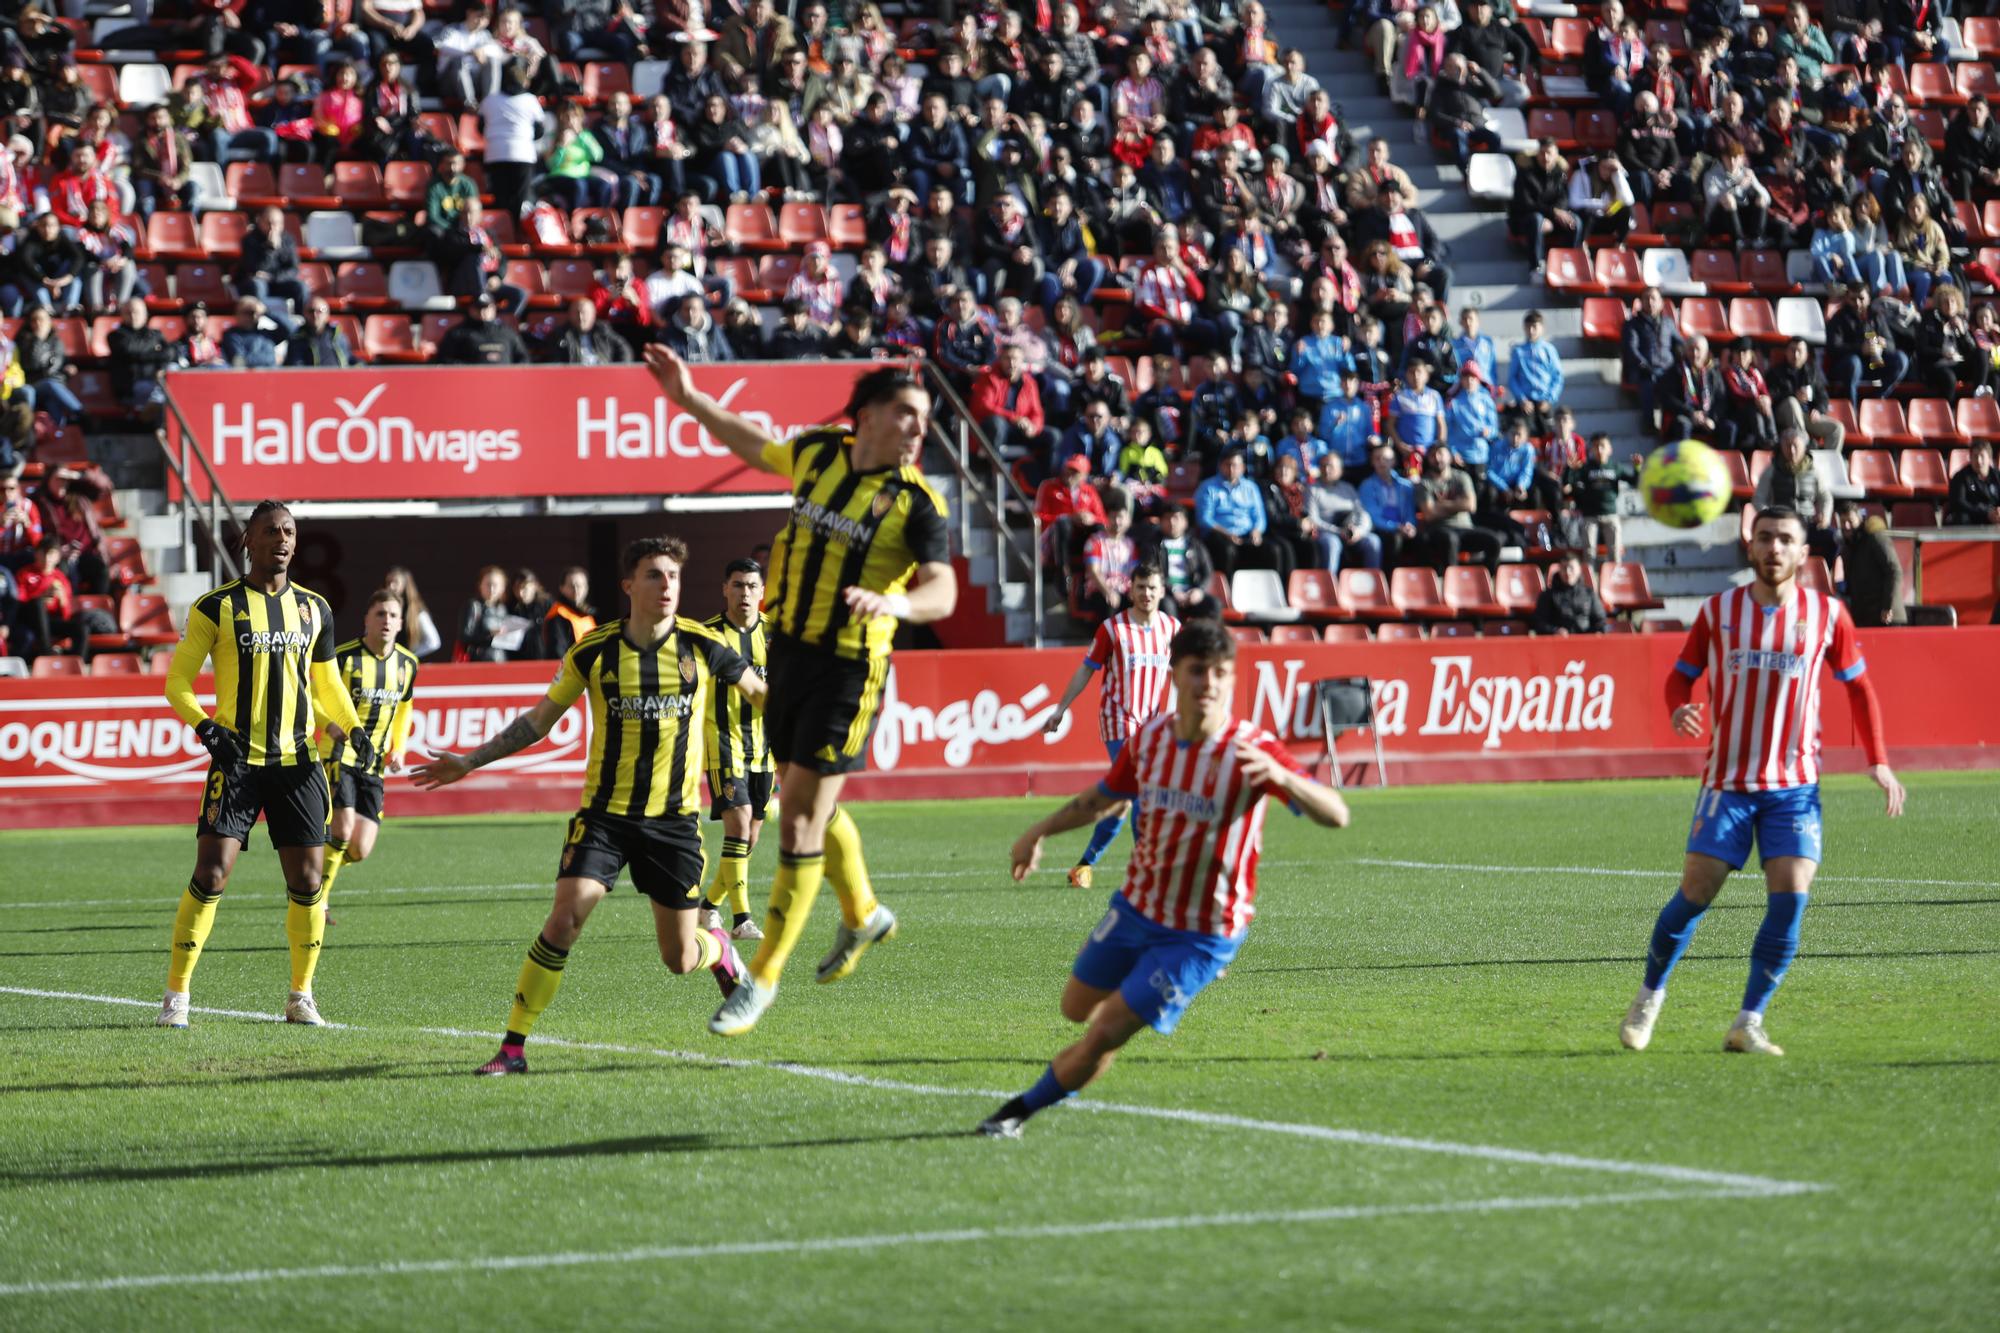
(957, 724)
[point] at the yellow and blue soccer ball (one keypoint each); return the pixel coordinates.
(1686, 484)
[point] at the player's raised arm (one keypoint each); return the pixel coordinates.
(737, 433)
(1084, 808)
(447, 768)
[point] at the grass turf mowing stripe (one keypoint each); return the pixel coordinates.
(1663, 875)
(836, 1244)
(1727, 1180)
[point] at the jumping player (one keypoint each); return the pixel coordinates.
(1131, 650)
(1761, 647)
(271, 642)
(1200, 777)
(380, 676)
(739, 758)
(649, 678)
(866, 547)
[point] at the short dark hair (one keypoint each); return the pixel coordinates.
(742, 565)
(263, 507)
(383, 597)
(1780, 514)
(880, 386)
(642, 549)
(1204, 641)
(1148, 569)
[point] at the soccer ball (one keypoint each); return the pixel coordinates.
(1685, 484)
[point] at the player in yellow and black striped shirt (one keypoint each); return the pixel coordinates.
(271, 645)
(649, 679)
(380, 676)
(740, 769)
(866, 547)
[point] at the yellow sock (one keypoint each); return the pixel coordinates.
(336, 857)
(792, 894)
(732, 876)
(540, 975)
(192, 921)
(847, 871)
(708, 950)
(305, 927)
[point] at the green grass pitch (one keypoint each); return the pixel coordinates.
(1403, 1107)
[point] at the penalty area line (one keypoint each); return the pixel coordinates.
(1685, 1175)
(841, 1244)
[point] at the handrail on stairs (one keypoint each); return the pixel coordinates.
(223, 559)
(1004, 488)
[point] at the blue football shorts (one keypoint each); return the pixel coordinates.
(1157, 969)
(1781, 823)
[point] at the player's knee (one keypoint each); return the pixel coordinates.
(210, 877)
(680, 961)
(1078, 1008)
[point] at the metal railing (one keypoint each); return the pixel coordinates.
(970, 441)
(222, 558)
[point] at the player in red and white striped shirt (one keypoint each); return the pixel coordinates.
(1200, 777)
(1131, 650)
(1762, 647)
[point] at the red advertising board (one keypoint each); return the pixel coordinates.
(106, 751)
(435, 432)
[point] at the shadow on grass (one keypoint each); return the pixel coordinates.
(1626, 961)
(1819, 905)
(313, 1157)
(373, 1073)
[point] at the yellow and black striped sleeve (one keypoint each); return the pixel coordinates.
(406, 707)
(189, 655)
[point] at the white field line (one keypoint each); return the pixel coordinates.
(1684, 1175)
(1664, 874)
(503, 1263)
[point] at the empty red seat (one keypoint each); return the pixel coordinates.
(406, 184)
(304, 185)
(173, 236)
(144, 618)
(1764, 271)
(1568, 38)
(1347, 633)
(1931, 85)
(1546, 123)
(1603, 318)
(1982, 34)
(1414, 591)
(847, 226)
(49, 666)
(1752, 317)
(1517, 588)
(1399, 629)
(801, 224)
(1468, 590)
(640, 229)
(1704, 315)
(1979, 418)
(1882, 422)
(751, 227)
(1617, 271)
(115, 664)
(1874, 471)
(1922, 470)
(201, 282)
(1931, 421)
(222, 234)
(1294, 634)
(1717, 269)
(570, 278)
(362, 286)
(1365, 593)
(1569, 270)
(252, 185)
(1315, 594)
(1596, 130)
(390, 338)
(1975, 78)
(1843, 412)
(1247, 634)
(358, 185)
(601, 78)
(1623, 587)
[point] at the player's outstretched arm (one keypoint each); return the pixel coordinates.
(933, 595)
(1315, 800)
(1083, 809)
(752, 687)
(1075, 687)
(446, 768)
(736, 433)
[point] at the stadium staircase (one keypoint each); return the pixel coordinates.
(1491, 273)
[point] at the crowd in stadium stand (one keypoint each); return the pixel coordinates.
(1138, 241)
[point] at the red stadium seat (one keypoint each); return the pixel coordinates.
(1468, 590)
(1882, 422)
(751, 227)
(1315, 594)
(640, 229)
(1931, 85)
(439, 126)
(358, 186)
(1365, 593)
(1569, 270)
(847, 225)
(1931, 421)
(1415, 592)
(1982, 34)
(1752, 317)
(1399, 629)
(1596, 130)
(1764, 270)
(571, 278)
(160, 664)
(1603, 318)
(776, 272)
(1348, 633)
(1975, 78)
(1294, 634)
(1922, 470)
(115, 664)
(1874, 471)
(601, 78)
(389, 338)
(1815, 576)
(146, 621)
(304, 185)
(173, 236)
(1717, 269)
(1704, 315)
(1617, 271)
(1517, 588)
(1568, 37)
(801, 224)
(1545, 123)
(1247, 634)
(1623, 587)
(1976, 231)
(1978, 418)
(1454, 629)
(252, 185)
(406, 184)
(362, 286)
(222, 234)
(1843, 412)
(49, 666)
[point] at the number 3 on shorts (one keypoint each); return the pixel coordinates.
(215, 781)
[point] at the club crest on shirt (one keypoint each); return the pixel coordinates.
(687, 668)
(882, 504)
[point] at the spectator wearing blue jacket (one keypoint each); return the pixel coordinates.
(1303, 445)
(246, 345)
(1318, 359)
(936, 152)
(1347, 423)
(1229, 514)
(1475, 348)
(1391, 501)
(1472, 420)
(1514, 479)
(1095, 438)
(1535, 376)
(1416, 411)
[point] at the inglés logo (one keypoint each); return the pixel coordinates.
(960, 725)
(359, 436)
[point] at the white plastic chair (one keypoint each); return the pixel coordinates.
(13, 668)
(334, 235)
(1258, 595)
(649, 77)
(1489, 177)
(1832, 469)
(1802, 317)
(1668, 270)
(1511, 124)
(414, 285)
(143, 84)
(211, 190)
